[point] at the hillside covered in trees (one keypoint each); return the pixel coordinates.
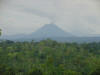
(49, 57)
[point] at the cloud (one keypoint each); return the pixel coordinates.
(26, 16)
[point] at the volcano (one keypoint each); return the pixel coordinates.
(50, 31)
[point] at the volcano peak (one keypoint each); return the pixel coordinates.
(50, 31)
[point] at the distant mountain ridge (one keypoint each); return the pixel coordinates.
(53, 32)
(50, 31)
(47, 31)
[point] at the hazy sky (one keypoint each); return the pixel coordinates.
(80, 17)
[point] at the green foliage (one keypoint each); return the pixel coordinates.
(35, 71)
(5, 70)
(96, 71)
(70, 72)
(49, 57)
(0, 31)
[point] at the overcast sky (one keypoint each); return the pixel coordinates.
(80, 17)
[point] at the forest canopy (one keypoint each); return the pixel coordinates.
(49, 57)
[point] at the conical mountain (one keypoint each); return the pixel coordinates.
(47, 31)
(50, 31)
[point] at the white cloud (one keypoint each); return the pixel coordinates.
(25, 16)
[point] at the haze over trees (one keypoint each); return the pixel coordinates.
(74, 44)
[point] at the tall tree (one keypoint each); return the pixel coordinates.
(0, 32)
